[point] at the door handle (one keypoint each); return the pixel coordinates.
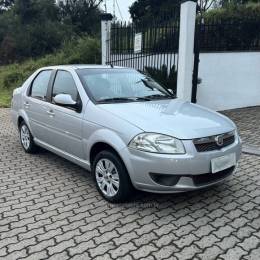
(26, 104)
(50, 113)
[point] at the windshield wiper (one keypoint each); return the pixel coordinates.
(117, 99)
(158, 96)
(123, 99)
(142, 99)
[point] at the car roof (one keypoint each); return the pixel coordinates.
(82, 66)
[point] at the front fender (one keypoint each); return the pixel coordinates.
(114, 140)
(106, 136)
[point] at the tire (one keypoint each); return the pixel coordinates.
(26, 138)
(117, 177)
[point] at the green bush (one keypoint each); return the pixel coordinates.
(12, 77)
(166, 78)
(231, 12)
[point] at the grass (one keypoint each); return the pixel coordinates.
(5, 97)
(83, 50)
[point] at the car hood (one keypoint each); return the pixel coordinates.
(173, 117)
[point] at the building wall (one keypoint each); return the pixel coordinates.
(229, 80)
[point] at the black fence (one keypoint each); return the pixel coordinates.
(160, 44)
(158, 55)
(230, 35)
(163, 37)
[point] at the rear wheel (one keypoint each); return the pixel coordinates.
(26, 139)
(111, 176)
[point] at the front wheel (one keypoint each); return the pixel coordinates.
(26, 139)
(111, 176)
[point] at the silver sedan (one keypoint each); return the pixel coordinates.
(124, 127)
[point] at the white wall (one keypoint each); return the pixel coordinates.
(229, 80)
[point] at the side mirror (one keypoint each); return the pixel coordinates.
(64, 100)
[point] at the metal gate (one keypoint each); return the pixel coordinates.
(151, 47)
(195, 75)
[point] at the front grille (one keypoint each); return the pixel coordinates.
(211, 143)
(207, 178)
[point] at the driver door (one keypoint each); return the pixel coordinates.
(65, 123)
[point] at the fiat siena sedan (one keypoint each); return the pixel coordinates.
(124, 127)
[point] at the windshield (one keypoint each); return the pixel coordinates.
(121, 85)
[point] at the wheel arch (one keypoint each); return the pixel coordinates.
(19, 121)
(22, 116)
(99, 147)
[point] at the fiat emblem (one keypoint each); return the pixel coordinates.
(219, 140)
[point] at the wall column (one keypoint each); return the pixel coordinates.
(106, 19)
(186, 50)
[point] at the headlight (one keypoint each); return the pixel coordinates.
(157, 143)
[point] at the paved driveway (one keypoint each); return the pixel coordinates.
(248, 122)
(50, 210)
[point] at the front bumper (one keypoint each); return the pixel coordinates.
(193, 169)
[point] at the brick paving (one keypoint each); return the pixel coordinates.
(248, 122)
(50, 209)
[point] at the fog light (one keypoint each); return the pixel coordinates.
(164, 179)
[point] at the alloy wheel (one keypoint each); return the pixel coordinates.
(25, 137)
(107, 177)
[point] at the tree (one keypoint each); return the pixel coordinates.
(147, 10)
(32, 28)
(82, 14)
(5, 5)
(205, 5)
(34, 11)
(7, 50)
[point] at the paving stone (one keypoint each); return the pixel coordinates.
(143, 251)
(83, 256)
(101, 249)
(249, 243)
(207, 241)
(122, 250)
(254, 254)
(224, 231)
(165, 252)
(21, 244)
(60, 256)
(125, 238)
(165, 240)
(228, 242)
(186, 240)
(210, 253)
(60, 247)
(188, 252)
(81, 248)
(39, 255)
(234, 253)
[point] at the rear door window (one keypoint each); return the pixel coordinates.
(40, 85)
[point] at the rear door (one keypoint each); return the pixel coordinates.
(65, 123)
(36, 104)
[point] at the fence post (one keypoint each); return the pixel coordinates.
(186, 50)
(106, 19)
